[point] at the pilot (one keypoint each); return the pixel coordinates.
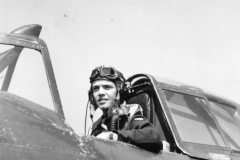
(119, 121)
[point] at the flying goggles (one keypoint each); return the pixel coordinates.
(105, 71)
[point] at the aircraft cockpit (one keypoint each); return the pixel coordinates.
(192, 121)
(142, 92)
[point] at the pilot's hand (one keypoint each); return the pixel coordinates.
(166, 146)
(108, 135)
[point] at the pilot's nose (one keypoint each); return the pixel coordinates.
(101, 91)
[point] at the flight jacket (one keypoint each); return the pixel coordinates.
(133, 128)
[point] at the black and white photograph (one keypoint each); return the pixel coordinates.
(119, 80)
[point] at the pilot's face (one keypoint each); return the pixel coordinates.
(104, 94)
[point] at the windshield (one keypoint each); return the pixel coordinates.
(192, 119)
(29, 78)
(229, 120)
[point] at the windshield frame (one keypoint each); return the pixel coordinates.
(193, 149)
(32, 42)
(226, 105)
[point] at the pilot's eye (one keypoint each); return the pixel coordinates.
(107, 87)
(94, 88)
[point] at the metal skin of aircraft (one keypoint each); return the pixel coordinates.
(196, 124)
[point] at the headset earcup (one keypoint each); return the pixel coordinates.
(122, 93)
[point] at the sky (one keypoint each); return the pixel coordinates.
(191, 41)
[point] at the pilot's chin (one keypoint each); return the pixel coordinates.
(104, 107)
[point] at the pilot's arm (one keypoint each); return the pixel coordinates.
(141, 133)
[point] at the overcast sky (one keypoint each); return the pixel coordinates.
(192, 41)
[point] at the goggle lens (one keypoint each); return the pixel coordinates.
(108, 71)
(94, 72)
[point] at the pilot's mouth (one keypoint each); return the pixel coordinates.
(102, 100)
